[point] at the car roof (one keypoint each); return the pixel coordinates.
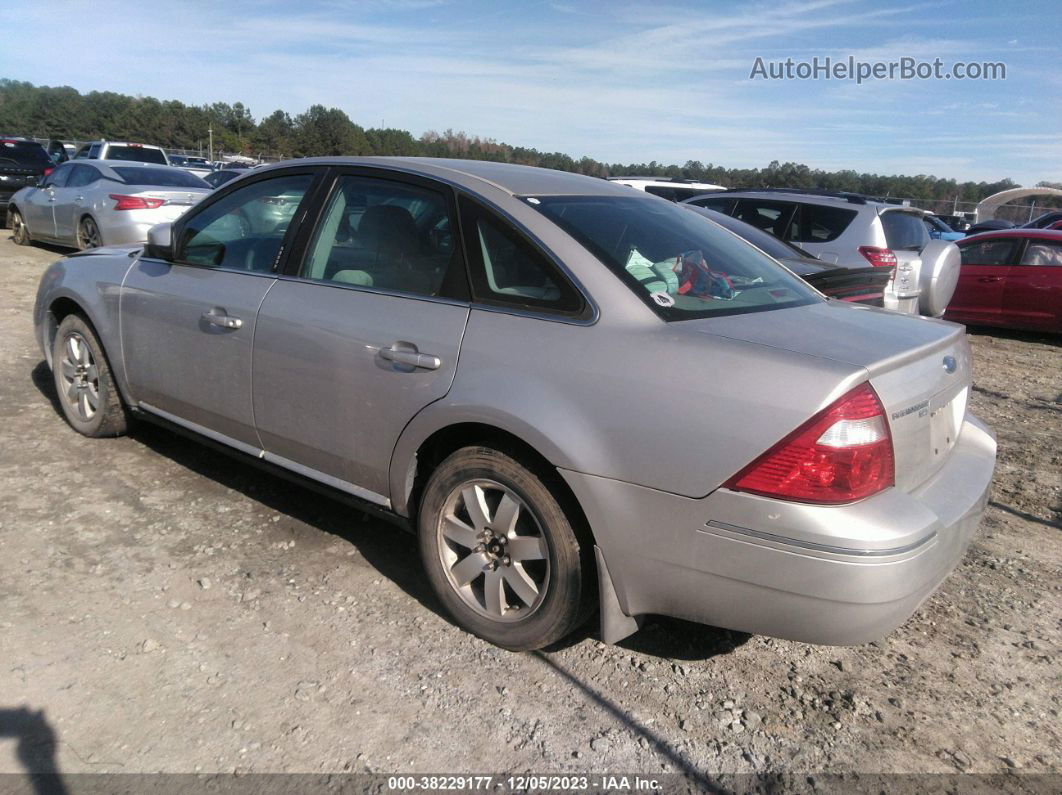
(1046, 234)
(514, 179)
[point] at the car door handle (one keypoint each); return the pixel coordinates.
(990, 279)
(220, 319)
(411, 358)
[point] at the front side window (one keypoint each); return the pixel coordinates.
(772, 217)
(1043, 252)
(244, 230)
(987, 252)
(383, 234)
(679, 263)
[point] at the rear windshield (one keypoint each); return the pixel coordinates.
(904, 231)
(136, 154)
(676, 261)
(28, 154)
(159, 177)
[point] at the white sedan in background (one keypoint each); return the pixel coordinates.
(88, 204)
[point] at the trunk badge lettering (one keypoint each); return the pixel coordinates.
(922, 409)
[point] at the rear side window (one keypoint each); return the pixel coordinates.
(506, 270)
(988, 252)
(384, 234)
(819, 223)
(159, 177)
(26, 154)
(1043, 252)
(82, 175)
(137, 154)
(904, 231)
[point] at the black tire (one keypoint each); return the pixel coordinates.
(88, 234)
(19, 232)
(81, 377)
(566, 591)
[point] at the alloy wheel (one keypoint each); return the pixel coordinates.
(493, 550)
(19, 233)
(80, 377)
(88, 234)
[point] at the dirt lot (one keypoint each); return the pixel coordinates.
(163, 608)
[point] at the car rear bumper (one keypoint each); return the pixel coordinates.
(818, 574)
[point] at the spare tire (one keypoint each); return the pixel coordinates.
(939, 277)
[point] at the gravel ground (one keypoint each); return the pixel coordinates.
(163, 608)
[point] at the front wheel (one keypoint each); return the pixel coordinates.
(83, 379)
(500, 551)
(88, 234)
(19, 232)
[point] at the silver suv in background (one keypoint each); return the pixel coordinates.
(123, 150)
(851, 230)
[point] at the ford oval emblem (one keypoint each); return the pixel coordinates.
(950, 365)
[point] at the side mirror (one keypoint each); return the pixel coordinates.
(160, 242)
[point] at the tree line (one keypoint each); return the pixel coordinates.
(64, 113)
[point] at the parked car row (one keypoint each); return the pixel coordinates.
(583, 399)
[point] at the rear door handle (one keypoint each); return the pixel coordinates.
(410, 357)
(219, 318)
(990, 279)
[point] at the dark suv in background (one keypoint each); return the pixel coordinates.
(22, 162)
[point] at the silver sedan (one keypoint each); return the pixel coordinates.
(88, 204)
(578, 396)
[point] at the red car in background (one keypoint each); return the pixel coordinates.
(1010, 278)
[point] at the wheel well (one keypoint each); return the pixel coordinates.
(434, 450)
(58, 310)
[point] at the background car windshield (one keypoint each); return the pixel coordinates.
(764, 241)
(159, 177)
(136, 154)
(679, 263)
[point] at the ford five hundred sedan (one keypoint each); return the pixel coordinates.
(578, 396)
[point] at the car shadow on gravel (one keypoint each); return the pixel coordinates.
(387, 548)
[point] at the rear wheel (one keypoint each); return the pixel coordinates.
(88, 234)
(83, 379)
(19, 232)
(500, 552)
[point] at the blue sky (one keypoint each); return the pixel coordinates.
(618, 81)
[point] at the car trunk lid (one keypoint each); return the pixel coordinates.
(920, 368)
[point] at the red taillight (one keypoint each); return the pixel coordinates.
(135, 202)
(843, 453)
(878, 257)
(48, 170)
